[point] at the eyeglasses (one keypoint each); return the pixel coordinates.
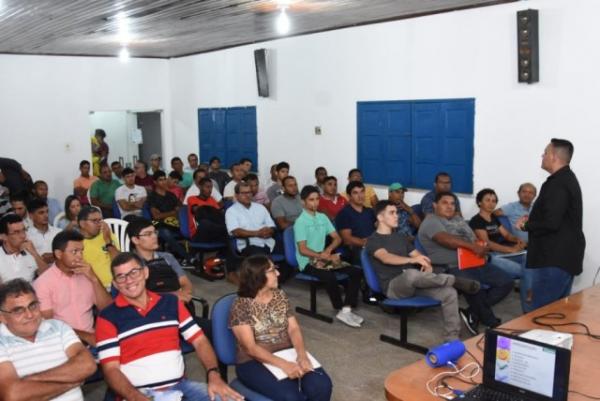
(132, 274)
(95, 221)
(148, 234)
(20, 310)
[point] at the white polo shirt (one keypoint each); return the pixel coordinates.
(48, 350)
(252, 218)
(42, 241)
(18, 265)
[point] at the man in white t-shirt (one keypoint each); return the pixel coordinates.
(39, 359)
(237, 175)
(130, 197)
(18, 257)
(41, 233)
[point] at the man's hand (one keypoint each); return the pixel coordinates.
(216, 386)
(424, 262)
(479, 250)
(522, 220)
(85, 269)
(184, 297)
(28, 246)
(264, 232)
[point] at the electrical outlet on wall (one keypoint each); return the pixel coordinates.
(317, 130)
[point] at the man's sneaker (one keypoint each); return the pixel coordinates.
(466, 285)
(469, 320)
(357, 318)
(345, 317)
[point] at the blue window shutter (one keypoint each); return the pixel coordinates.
(457, 143)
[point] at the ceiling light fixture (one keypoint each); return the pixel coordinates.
(123, 28)
(124, 55)
(283, 22)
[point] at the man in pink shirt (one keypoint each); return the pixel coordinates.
(69, 289)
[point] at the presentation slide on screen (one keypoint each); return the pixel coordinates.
(524, 365)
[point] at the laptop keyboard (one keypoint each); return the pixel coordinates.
(488, 394)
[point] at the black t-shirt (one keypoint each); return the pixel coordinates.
(395, 243)
(491, 227)
(164, 203)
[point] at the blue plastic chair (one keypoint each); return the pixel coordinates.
(225, 344)
(289, 247)
(115, 209)
(418, 210)
(506, 223)
(402, 305)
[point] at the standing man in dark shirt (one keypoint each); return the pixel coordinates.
(556, 241)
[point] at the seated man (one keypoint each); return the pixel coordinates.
(286, 208)
(259, 196)
(117, 171)
(404, 272)
(164, 208)
(40, 191)
(18, 205)
(311, 230)
(246, 164)
(370, 195)
(237, 175)
(192, 163)
(70, 289)
(18, 257)
(282, 170)
(320, 176)
(130, 197)
(407, 218)
(102, 192)
(355, 222)
(186, 177)
(82, 184)
(331, 202)
(173, 180)
(39, 359)
(205, 215)
(144, 239)
(443, 183)
(141, 176)
(515, 210)
(441, 234)
(194, 190)
(215, 173)
(150, 358)
(41, 233)
(99, 245)
(155, 164)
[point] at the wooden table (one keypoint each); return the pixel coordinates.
(408, 383)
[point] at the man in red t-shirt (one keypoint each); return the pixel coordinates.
(331, 202)
(205, 215)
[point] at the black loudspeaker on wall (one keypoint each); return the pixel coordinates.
(528, 46)
(262, 77)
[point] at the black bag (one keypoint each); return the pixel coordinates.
(162, 277)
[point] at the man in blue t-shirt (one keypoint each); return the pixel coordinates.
(443, 183)
(355, 222)
(515, 210)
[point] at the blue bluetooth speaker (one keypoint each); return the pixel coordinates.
(444, 353)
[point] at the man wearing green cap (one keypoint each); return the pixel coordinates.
(408, 220)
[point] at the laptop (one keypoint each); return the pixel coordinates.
(516, 368)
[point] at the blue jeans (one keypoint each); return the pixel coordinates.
(192, 391)
(549, 284)
(514, 266)
(313, 386)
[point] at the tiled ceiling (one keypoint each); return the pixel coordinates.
(172, 28)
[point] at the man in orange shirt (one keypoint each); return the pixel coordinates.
(206, 218)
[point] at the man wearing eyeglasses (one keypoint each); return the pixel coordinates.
(69, 289)
(18, 257)
(99, 245)
(138, 341)
(39, 359)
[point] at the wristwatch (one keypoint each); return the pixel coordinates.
(109, 244)
(215, 369)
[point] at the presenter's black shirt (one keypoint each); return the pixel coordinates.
(555, 224)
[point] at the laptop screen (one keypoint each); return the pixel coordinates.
(526, 367)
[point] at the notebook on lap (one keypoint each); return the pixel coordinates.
(516, 368)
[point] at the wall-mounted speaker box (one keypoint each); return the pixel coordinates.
(262, 77)
(528, 46)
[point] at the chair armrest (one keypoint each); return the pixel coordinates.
(204, 304)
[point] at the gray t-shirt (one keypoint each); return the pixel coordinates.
(434, 224)
(274, 191)
(284, 206)
(395, 243)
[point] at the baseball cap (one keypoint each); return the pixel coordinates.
(155, 156)
(396, 186)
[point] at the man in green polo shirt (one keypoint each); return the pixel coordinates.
(311, 229)
(102, 191)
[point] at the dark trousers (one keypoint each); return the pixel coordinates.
(500, 285)
(171, 237)
(328, 277)
(209, 231)
(314, 386)
(548, 285)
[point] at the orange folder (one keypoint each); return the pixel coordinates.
(467, 259)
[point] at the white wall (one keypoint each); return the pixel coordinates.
(45, 104)
(319, 78)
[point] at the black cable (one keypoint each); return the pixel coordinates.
(560, 316)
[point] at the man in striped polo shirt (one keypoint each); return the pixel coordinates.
(138, 341)
(39, 359)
